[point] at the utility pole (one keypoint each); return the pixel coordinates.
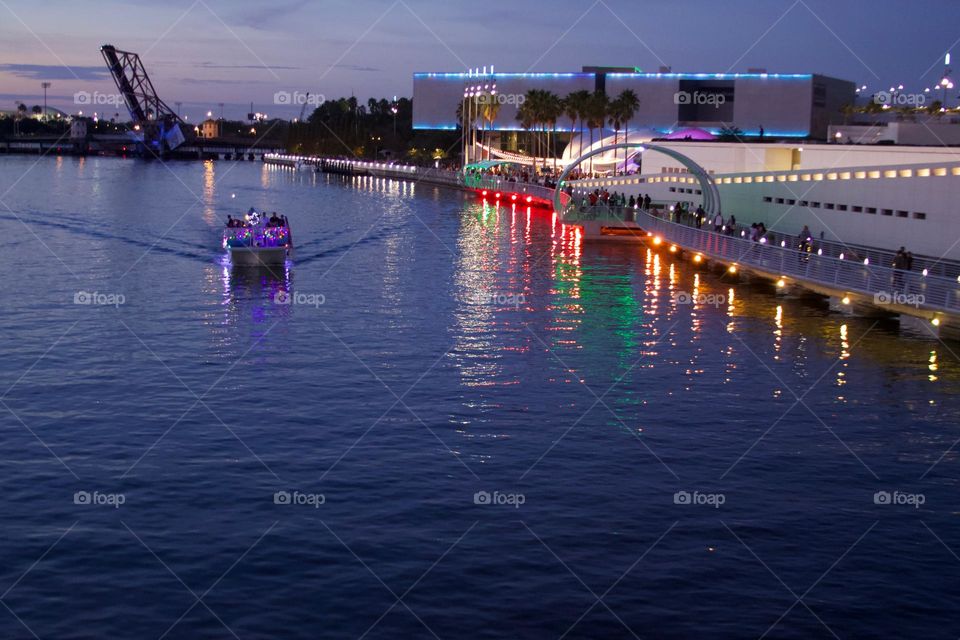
(45, 85)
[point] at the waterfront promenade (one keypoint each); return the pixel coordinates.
(857, 280)
(491, 187)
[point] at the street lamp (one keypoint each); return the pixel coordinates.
(45, 85)
(393, 110)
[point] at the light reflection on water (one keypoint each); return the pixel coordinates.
(561, 369)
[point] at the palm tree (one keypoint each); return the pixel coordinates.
(580, 100)
(629, 103)
(489, 113)
(525, 117)
(551, 110)
(615, 118)
(596, 115)
(571, 110)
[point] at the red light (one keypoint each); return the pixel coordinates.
(498, 194)
(513, 197)
(484, 192)
(529, 198)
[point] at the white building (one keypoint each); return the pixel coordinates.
(877, 196)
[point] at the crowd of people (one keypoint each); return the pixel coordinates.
(253, 219)
(602, 197)
(514, 173)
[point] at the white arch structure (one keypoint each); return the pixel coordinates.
(711, 196)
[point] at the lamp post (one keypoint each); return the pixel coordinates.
(45, 85)
(393, 110)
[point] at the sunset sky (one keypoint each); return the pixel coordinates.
(203, 52)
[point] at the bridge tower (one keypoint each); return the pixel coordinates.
(156, 126)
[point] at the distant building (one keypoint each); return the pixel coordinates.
(210, 128)
(79, 127)
(792, 105)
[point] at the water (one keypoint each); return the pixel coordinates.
(457, 350)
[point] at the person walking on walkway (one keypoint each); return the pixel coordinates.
(900, 264)
(717, 222)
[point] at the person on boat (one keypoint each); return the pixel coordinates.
(231, 222)
(274, 220)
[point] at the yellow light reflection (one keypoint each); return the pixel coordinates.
(778, 332)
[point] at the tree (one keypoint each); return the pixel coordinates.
(526, 119)
(572, 110)
(36, 109)
(730, 133)
(629, 103)
(551, 110)
(847, 110)
(615, 118)
(489, 111)
(579, 101)
(596, 116)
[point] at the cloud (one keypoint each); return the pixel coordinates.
(55, 72)
(212, 65)
(264, 16)
(202, 81)
(355, 67)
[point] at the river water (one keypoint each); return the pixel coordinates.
(442, 420)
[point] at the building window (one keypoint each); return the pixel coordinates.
(903, 214)
(841, 207)
(767, 199)
(919, 216)
(779, 200)
(791, 202)
(872, 210)
(804, 203)
(856, 209)
(828, 205)
(814, 205)
(886, 212)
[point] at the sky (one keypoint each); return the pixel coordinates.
(205, 52)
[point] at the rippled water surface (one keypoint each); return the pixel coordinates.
(483, 427)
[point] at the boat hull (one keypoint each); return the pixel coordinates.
(257, 256)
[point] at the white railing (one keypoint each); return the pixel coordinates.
(886, 285)
(421, 174)
(929, 265)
